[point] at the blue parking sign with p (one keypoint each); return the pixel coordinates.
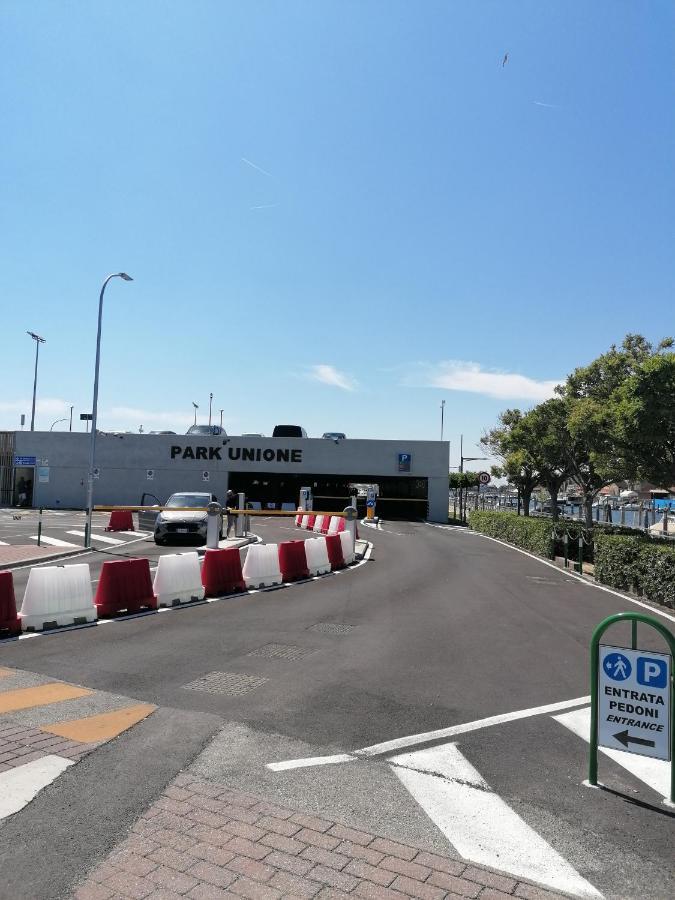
(404, 460)
(651, 672)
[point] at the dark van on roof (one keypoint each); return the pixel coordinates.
(286, 431)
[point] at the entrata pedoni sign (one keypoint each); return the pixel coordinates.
(634, 701)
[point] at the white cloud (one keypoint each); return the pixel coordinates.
(457, 375)
(330, 375)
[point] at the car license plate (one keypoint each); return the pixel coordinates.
(182, 530)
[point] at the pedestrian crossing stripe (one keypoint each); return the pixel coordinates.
(27, 698)
(104, 539)
(101, 727)
(53, 542)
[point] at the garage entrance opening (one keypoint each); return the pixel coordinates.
(399, 498)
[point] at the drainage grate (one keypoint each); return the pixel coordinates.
(232, 683)
(332, 628)
(282, 651)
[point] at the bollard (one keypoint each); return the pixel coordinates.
(39, 527)
(350, 523)
(665, 520)
(240, 528)
(213, 513)
(581, 555)
(565, 541)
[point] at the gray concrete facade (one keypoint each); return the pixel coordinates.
(130, 464)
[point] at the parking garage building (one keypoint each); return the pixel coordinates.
(49, 469)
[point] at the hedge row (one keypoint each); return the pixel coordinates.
(525, 532)
(623, 558)
(644, 566)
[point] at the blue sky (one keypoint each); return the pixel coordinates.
(336, 213)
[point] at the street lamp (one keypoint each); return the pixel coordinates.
(221, 419)
(38, 340)
(442, 415)
(51, 427)
(94, 409)
(196, 406)
(70, 428)
(210, 402)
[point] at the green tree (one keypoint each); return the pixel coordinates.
(509, 443)
(612, 402)
(546, 434)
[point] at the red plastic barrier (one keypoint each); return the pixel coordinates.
(293, 560)
(326, 525)
(121, 520)
(298, 521)
(124, 585)
(221, 572)
(341, 525)
(310, 522)
(9, 621)
(334, 547)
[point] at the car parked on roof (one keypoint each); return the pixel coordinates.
(180, 521)
(206, 430)
(286, 431)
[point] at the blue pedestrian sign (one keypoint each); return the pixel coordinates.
(25, 461)
(634, 701)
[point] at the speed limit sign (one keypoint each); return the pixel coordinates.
(484, 477)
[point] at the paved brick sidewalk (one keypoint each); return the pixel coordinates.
(206, 842)
(22, 554)
(20, 745)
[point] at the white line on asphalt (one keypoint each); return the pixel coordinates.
(140, 534)
(567, 572)
(479, 824)
(311, 761)
(98, 537)
(654, 772)
(18, 786)
(454, 730)
(53, 542)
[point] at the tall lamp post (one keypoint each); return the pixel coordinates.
(38, 340)
(196, 406)
(462, 460)
(70, 428)
(51, 427)
(221, 419)
(94, 409)
(442, 416)
(210, 404)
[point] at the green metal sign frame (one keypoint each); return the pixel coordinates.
(669, 638)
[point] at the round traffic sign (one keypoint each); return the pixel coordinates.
(484, 477)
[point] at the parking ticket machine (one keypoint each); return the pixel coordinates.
(306, 499)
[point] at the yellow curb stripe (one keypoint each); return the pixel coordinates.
(101, 727)
(5, 673)
(25, 698)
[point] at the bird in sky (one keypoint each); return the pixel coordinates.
(505, 60)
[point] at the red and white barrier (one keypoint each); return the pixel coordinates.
(120, 520)
(178, 579)
(125, 585)
(334, 549)
(57, 595)
(221, 572)
(317, 556)
(293, 560)
(261, 568)
(10, 624)
(318, 524)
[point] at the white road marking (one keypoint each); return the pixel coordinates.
(479, 824)
(18, 786)
(311, 761)
(53, 542)
(568, 573)
(454, 730)
(4, 544)
(653, 772)
(104, 539)
(140, 534)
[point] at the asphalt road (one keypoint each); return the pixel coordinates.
(445, 627)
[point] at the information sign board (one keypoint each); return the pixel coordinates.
(404, 461)
(634, 701)
(25, 460)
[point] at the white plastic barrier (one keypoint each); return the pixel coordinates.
(178, 579)
(347, 547)
(304, 522)
(317, 556)
(58, 595)
(261, 568)
(334, 525)
(318, 524)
